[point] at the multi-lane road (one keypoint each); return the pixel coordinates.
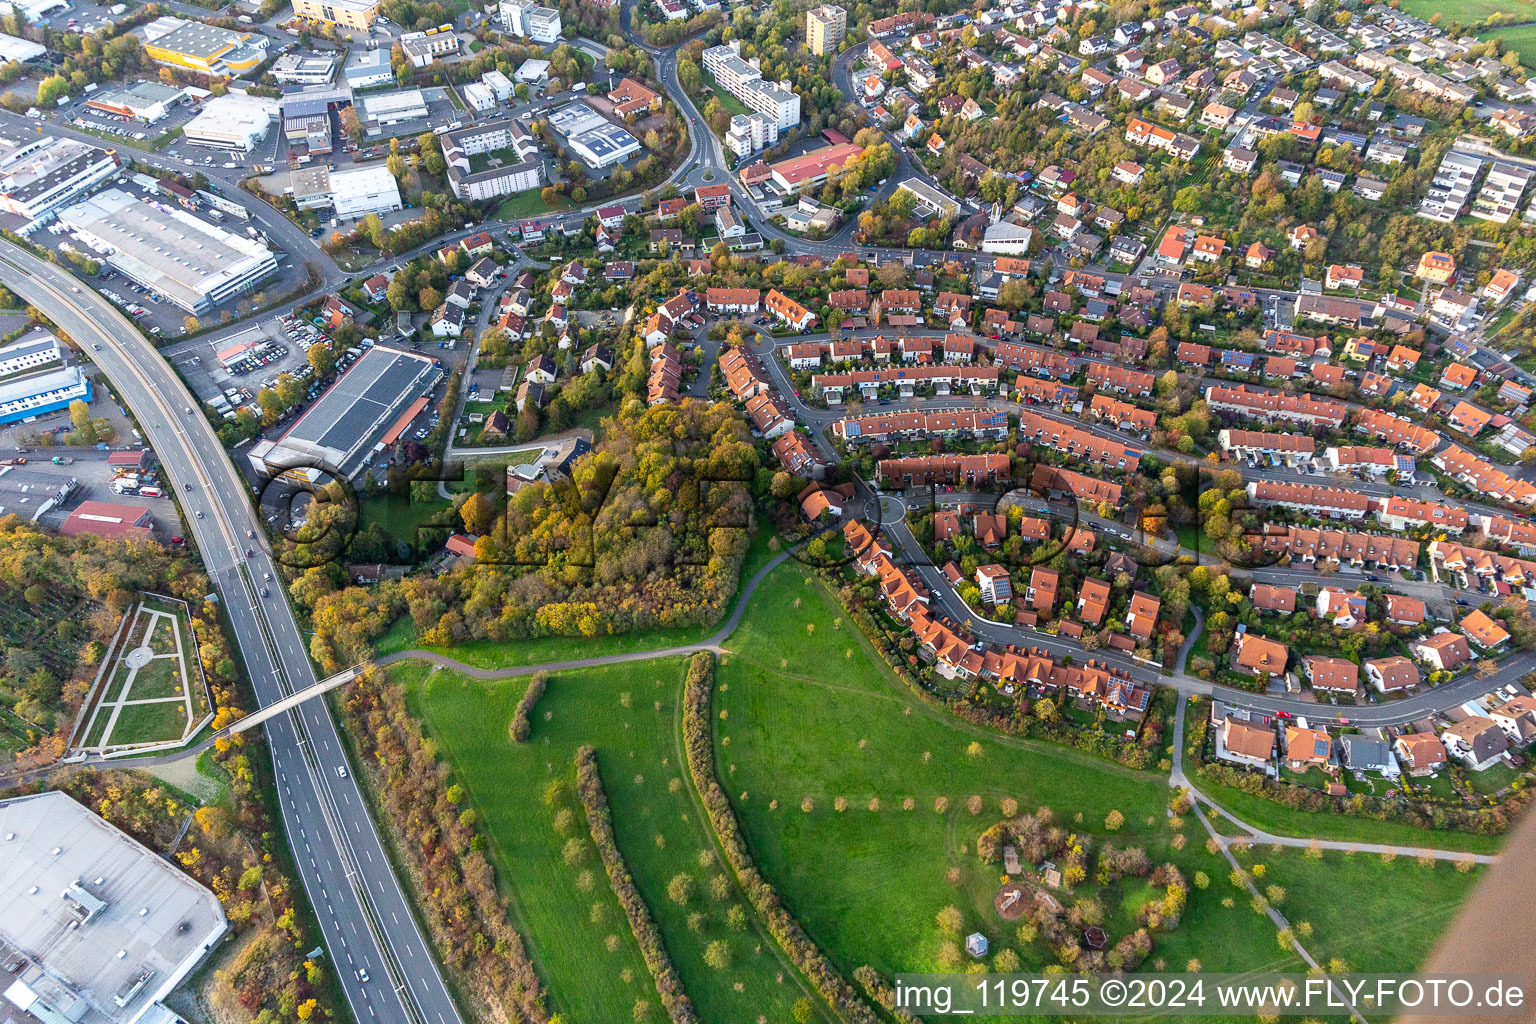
(366, 921)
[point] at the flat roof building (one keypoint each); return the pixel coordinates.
(305, 68)
(19, 50)
(39, 174)
(825, 27)
(422, 48)
(365, 411)
(386, 110)
(147, 101)
(474, 174)
(368, 69)
(206, 48)
(604, 146)
(192, 263)
(99, 927)
(360, 190)
(234, 122)
(354, 14)
(34, 379)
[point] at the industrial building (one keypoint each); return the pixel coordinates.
(233, 122)
(310, 186)
(368, 70)
(19, 50)
(422, 48)
(825, 27)
(146, 101)
(360, 190)
(744, 80)
(471, 174)
(527, 20)
(34, 10)
(35, 380)
(305, 68)
(96, 928)
(363, 413)
(354, 14)
(190, 262)
(206, 48)
(386, 110)
(604, 146)
(39, 174)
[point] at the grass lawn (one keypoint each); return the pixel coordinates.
(15, 734)
(1360, 906)
(160, 678)
(159, 722)
(488, 471)
(399, 515)
(549, 649)
(630, 715)
(729, 102)
(1491, 779)
(1281, 820)
(867, 882)
(528, 204)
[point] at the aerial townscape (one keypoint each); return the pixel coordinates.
(694, 510)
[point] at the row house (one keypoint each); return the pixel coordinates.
(1516, 533)
(902, 426)
(1465, 565)
(1176, 144)
(1375, 462)
(1273, 406)
(1123, 415)
(743, 375)
(1397, 430)
(1087, 489)
(1255, 445)
(732, 300)
(666, 374)
(1404, 514)
(1078, 444)
(974, 379)
(1298, 345)
(1040, 391)
(768, 418)
(1121, 379)
(787, 311)
(926, 470)
(803, 357)
(1466, 468)
(1307, 547)
(1031, 359)
(1320, 502)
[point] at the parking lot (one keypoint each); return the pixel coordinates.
(155, 314)
(82, 475)
(129, 129)
(83, 17)
(250, 360)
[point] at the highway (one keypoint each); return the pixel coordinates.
(366, 923)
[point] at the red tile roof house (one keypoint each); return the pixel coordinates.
(1444, 651)
(1389, 675)
(1332, 675)
(1420, 752)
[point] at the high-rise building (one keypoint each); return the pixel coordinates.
(744, 80)
(825, 27)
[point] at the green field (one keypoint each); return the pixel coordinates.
(1358, 904)
(629, 714)
(804, 711)
(880, 876)
(1521, 39)
(1465, 12)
